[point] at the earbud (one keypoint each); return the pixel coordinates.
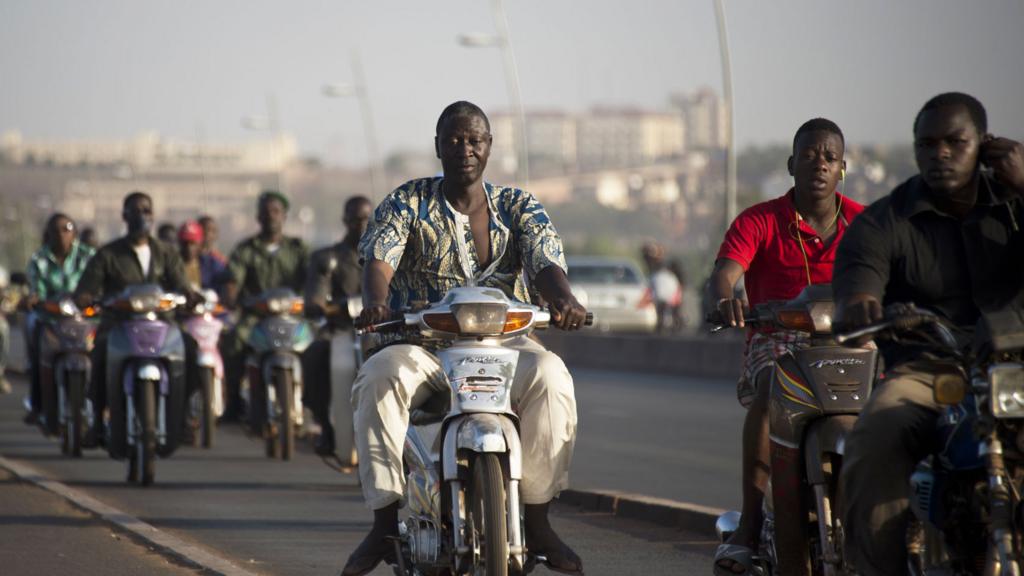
(842, 173)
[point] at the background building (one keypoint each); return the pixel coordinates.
(706, 119)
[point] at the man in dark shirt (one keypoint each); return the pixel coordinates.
(335, 275)
(136, 258)
(264, 261)
(948, 240)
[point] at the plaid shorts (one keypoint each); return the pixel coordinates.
(762, 350)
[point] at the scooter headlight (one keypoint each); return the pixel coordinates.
(1007, 390)
(480, 319)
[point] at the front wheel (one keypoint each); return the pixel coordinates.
(489, 521)
(286, 431)
(143, 456)
(207, 418)
(74, 427)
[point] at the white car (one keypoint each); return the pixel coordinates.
(615, 290)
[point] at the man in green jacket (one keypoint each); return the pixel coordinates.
(259, 263)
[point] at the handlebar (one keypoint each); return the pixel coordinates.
(391, 325)
(899, 323)
(717, 321)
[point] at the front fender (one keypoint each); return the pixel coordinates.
(825, 435)
(493, 433)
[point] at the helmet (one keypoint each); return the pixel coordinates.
(191, 231)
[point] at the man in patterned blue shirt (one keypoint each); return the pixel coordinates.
(426, 237)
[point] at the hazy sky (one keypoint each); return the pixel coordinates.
(111, 69)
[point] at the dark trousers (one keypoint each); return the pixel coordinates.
(36, 387)
(233, 352)
(892, 434)
(316, 375)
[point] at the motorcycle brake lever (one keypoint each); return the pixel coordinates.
(873, 329)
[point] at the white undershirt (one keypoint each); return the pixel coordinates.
(145, 256)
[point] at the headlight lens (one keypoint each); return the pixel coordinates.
(1007, 390)
(480, 319)
(67, 307)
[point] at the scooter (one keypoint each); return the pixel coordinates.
(66, 336)
(145, 379)
(464, 504)
(816, 395)
(275, 371)
(207, 403)
(346, 358)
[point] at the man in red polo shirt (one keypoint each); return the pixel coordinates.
(779, 247)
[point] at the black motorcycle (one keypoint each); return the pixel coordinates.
(969, 489)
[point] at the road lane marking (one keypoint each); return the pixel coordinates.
(149, 533)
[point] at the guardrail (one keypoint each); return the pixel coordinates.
(698, 355)
(718, 356)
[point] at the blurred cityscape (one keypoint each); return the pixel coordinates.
(612, 177)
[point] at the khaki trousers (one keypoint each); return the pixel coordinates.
(403, 377)
(893, 433)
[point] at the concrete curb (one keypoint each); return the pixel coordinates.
(164, 542)
(661, 511)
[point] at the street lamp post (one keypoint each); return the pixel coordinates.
(503, 41)
(730, 152)
(271, 124)
(358, 89)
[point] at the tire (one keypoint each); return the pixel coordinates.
(74, 429)
(49, 398)
(146, 412)
(207, 419)
(489, 511)
(285, 398)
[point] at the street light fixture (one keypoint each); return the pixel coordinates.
(478, 40)
(358, 89)
(503, 41)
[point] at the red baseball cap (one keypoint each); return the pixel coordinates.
(191, 231)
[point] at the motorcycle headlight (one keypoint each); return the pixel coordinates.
(67, 307)
(1006, 382)
(480, 319)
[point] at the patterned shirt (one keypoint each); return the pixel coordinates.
(48, 278)
(430, 245)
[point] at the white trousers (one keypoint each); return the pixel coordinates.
(403, 377)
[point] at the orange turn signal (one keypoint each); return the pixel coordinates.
(297, 307)
(796, 320)
(442, 322)
(516, 321)
(90, 311)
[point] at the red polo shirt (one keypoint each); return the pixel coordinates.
(763, 239)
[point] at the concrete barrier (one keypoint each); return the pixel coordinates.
(719, 356)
